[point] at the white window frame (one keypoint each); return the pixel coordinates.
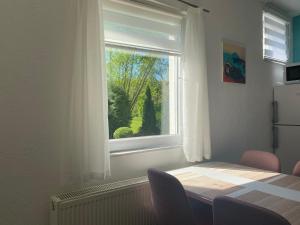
(288, 38)
(157, 141)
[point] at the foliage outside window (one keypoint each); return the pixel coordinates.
(141, 93)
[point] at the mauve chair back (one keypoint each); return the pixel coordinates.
(169, 199)
(296, 170)
(229, 211)
(261, 160)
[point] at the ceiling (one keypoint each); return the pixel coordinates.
(290, 6)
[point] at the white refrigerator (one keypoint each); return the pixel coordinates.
(286, 125)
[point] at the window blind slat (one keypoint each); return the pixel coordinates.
(280, 31)
(276, 39)
(275, 55)
(274, 33)
(275, 50)
(274, 23)
(269, 42)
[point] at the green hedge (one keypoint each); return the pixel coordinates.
(136, 124)
(123, 132)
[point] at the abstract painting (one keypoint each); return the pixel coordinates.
(234, 62)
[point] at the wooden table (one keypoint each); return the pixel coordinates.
(274, 191)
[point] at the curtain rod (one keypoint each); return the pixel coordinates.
(192, 5)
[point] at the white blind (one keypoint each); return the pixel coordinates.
(276, 36)
(141, 27)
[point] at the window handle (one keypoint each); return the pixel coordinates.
(275, 139)
(275, 111)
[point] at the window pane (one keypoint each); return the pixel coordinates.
(141, 93)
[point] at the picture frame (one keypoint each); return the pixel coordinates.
(233, 62)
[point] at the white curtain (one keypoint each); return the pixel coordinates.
(196, 128)
(86, 153)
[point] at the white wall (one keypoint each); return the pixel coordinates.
(31, 91)
(240, 114)
(29, 115)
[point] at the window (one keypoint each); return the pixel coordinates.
(275, 38)
(142, 64)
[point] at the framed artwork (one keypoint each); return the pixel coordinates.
(234, 62)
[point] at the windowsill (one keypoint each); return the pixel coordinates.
(138, 151)
(144, 143)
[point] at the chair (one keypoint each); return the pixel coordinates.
(202, 211)
(296, 170)
(171, 204)
(261, 160)
(229, 211)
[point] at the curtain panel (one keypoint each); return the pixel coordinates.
(85, 153)
(196, 127)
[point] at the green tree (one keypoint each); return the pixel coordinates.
(149, 120)
(134, 71)
(119, 109)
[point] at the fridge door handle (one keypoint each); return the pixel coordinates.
(275, 138)
(275, 111)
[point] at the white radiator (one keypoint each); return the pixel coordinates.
(121, 203)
